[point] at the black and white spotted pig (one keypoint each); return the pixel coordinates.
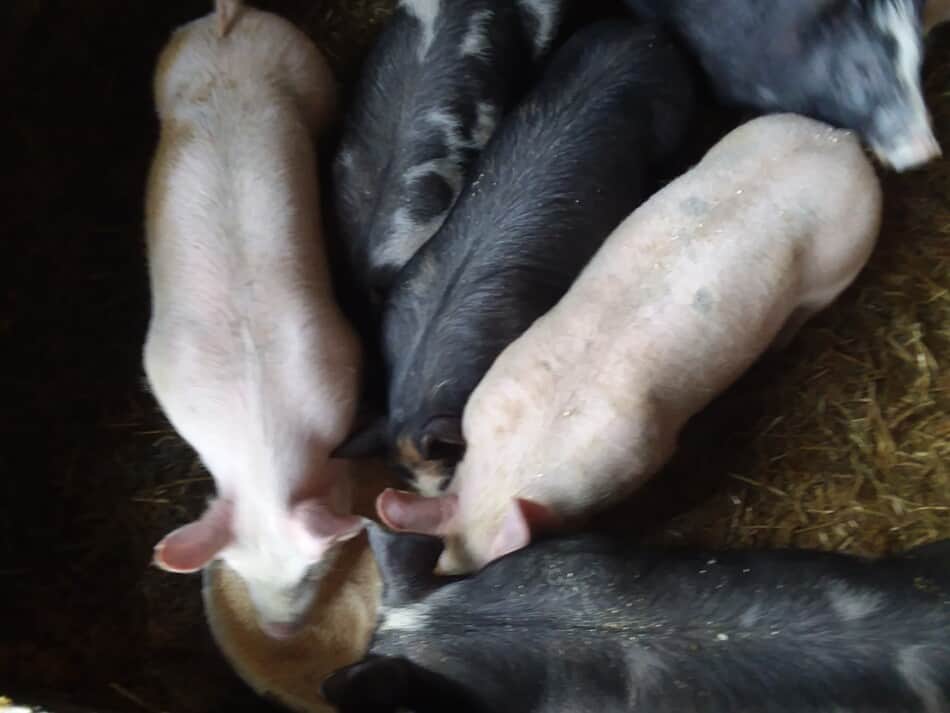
(433, 89)
(598, 623)
(567, 165)
(852, 63)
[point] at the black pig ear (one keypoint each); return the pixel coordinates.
(366, 442)
(442, 437)
(406, 562)
(377, 684)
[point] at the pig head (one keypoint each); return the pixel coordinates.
(873, 62)
(280, 553)
(854, 64)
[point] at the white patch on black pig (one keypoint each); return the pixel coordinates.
(411, 618)
(852, 605)
(432, 186)
(476, 43)
(426, 12)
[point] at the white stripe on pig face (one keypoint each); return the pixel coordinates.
(901, 132)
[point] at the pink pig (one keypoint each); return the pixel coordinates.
(247, 351)
(684, 296)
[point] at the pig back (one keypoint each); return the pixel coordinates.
(823, 186)
(694, 285)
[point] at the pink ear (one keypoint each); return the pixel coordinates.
(191, 547)
(409, 512)
(523, 518)
(323, 526)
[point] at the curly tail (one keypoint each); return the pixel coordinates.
(227, 11)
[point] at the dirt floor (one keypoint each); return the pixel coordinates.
(841, 442)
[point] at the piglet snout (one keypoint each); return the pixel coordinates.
(904, 140)
(911, 151)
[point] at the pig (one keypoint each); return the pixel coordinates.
(854, 64)
(247, 353)
(598, 623)
(566, 166)
(432, 91)
(729, 259)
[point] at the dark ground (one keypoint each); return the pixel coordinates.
(91, 478)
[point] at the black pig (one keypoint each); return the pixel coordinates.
(852, 63)
(597, 623)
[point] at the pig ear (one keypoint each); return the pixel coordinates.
(405, 563)
(409, 512)
(366, 442)
(524, 518)
(323, 527)
(442, 437)
(191, 547)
